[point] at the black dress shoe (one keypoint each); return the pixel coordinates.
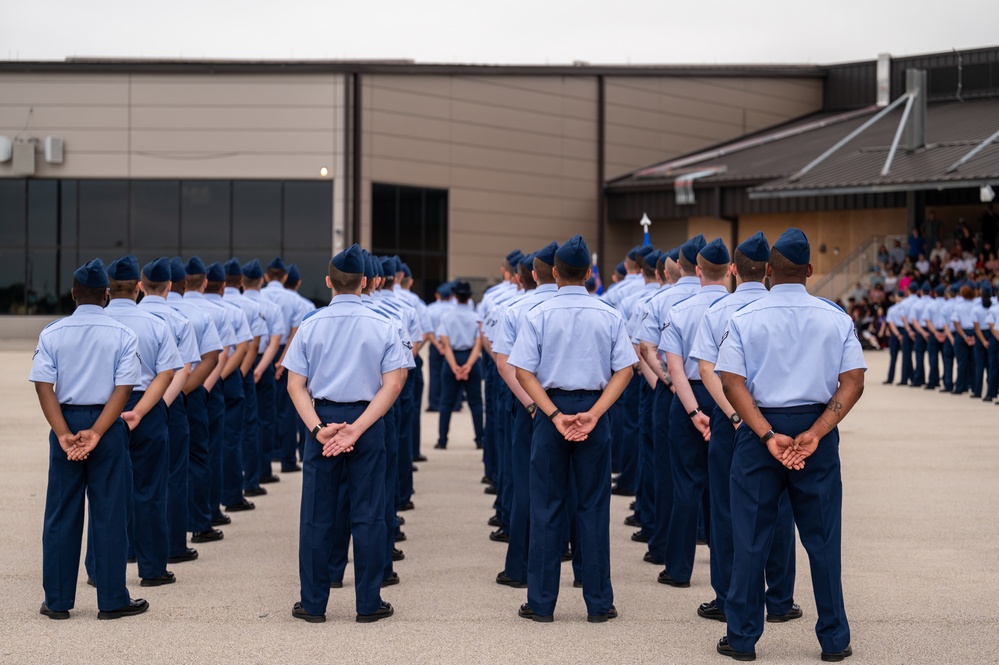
(486, 480)
(490, 489)
(265, 480)
(601, 618)
(725, 650)
(291, 469)
(57, 615)
(431, 409)
(209, 536)
(440, 447)
(239, 507)
(135, 606)
(397, 554)
(887, 383)
(566, 556)
(505, 580)
(91, 582)
(222, 520)
(400, 520)
(406, 506)
(525, 612)
(664, 578)
(631, 506)
(648, 559)
(499, 536)
(415, 468)
(189, 554)
(494, 521)
(165, 578)
(640, 537)
(620, 491)
(790, 615)
(255, 491)
(131, 559)
(336, 584)
(577, 584)
(710, 611)
(384, 612)
(702, 541)
(420, 458)
(390, 580)
(299, 612)
(631, 520)
(837, 657)
(399, 536)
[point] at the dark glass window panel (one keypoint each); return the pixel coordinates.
(43, 213)
(410, 219)
(206, 254)
(383, 214)
(975, 78)
(104, 215)
(42, 291)
(12, 221)
(68, 211)
(313, 266)
(12, 262)
(435, 233)
(256, 217)
(943, 81)
(205, 214)
(308, 215)
(67, 266)
(154, 214)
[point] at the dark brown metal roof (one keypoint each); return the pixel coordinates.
(768, 160)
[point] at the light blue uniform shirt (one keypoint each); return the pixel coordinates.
(283, 298)
(271, 314)
(460, 325)
(387, 300)
(493, 328)
(716, 317)
(654, 316)
(183, 330)
(86, 355)
(980, 314)
(343, 350)
(217, 314)
(513, 317)
(791, 347)
(237, 320)
(992, 318)
(204, 329)
(393, 317)
(682, 322)
(625, 289)
(573, 341)
(894, 315)
(492, 293)
(434, 311)
(416, 302)
(636, 311)
(963, 313)
(305, 306)
(935, 313)
(250, 309)
(157, 348)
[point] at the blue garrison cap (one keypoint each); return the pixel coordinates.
(715, 252)
(376, 263)
(349, 260)
(277, 264)
(941, 289)
(633, 252)
(513, 258)
(444, 289)
(955, 288)
(673, 254)
(645, 250)
(547, 254)
(158, 270)
(462, 289)
(92, 274)
(794, 246)
(177, 270)
(398, 263)
(654, 257)
(620, 269)
(590, 283)
(926, 288)
(575, 252)
(756, 247)
(528, 261)
(986, 290)
(693, 247)
(215, 272)
(293, 274)
(195, 266)
(124, 269)
(232, 268)
(252, 270)
(369, 264)
(406, 272)
(388, 267)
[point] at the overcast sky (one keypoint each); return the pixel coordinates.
(511, 31)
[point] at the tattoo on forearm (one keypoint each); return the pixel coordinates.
(835, 407)
(756, 407)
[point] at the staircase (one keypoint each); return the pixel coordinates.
(835, 284)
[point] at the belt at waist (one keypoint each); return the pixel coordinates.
(326, 402)
(573, 393)
(82, 407)
(792, 410)
(695, 382)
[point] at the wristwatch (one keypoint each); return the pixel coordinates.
(315, 430)
(551, 416)
(531, 408)
(766, 437)
(735, 418)
(694, 412)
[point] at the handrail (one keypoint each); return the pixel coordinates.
(852, 268)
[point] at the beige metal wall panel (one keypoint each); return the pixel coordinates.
(404, 147)
(206, 142)
(234, 90)
(64, 90)
(225, 118)
(416, 126)
(416, 173)
(228, 166)
(14, 117)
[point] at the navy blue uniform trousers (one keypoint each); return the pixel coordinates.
(177, 475)
(418, 385)
(919, 362)
(907, 372)
(520, 509)
(662, 471)
(216, 442)
(816, 494)
(490, 377)
(893, 347)
(552, 460)
(626, 433)
(434, 392)
(963, 354)
(451, 389)
(933, 361)
(232, 442)
(780, 568)
(947, 374)
(103, 479)
(251, 434)
(285, 425)
(363, 471)
(408, 415)
(981, 362)
(645, 485)
(266, 416)
(689, 459)
(199, 513)
(992, 387)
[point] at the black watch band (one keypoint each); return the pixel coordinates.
(734, 418)
(551, 416)
(531, 408)
(766, 437)
(316, 429)
(694, 412)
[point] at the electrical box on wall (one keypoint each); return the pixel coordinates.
(53, 149)
(24, 159)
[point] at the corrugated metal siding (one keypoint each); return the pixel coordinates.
(980, 75)
(850, 86)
